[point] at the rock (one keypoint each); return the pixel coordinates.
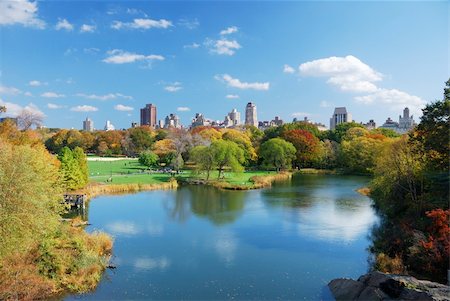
(345, 289)
(378, 286)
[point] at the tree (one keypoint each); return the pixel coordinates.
(2, 109)
(227, 154)
(30, 191)
(277, 153)
(359, 154)
(243, 141)
(341, 129)
(306, 144)
(141, 139)
(204, 159)
(165, 149)
(149, 159)
(27, 118)
(80, 157)
(73, 175)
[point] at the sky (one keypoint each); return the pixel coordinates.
(69, 60)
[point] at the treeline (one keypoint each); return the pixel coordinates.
(41, 256)
(349, 147)
(411, 189)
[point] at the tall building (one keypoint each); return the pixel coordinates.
(200, 120)
(406, 122)
(250, 115)
(340, 115)
(232, 119)
(148, 115)
(172, 121)
(371, 125)
(88, 125)
(109, 126)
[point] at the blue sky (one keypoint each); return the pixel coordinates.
(105, 60)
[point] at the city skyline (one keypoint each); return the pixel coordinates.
(108, 59)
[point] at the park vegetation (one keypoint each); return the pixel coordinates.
(40, 255)
(410, 173)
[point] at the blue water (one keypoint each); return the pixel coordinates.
(200, 243)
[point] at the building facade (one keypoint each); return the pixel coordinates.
(251, 117)
(88, 125)
(200, 120)
(404, 124)
(340, 115)
(148, 115)
(172, 121)
(109, 126)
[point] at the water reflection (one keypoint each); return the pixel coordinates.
(219, 206)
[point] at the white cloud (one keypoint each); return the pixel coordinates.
(236, 83)
(348, 73)
(176, 86)
(63, 24)
(192, 46)
(87, 28)
(288, 69)
(395, 99)
(9, 90)
(118, 56)
(223, 46)
(229, 30)
(91, 50)
(189, 24)
(52, 95)
(232, 96)
(28, 94)
(108, 96)
(54, 106)
(84, 108)
(142, 24)
(124, 108)
(13, 109)
(20, 12)
(36, 83)
(183, 109)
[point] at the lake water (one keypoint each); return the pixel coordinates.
(200, 243)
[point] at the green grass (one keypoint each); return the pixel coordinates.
(129, 171)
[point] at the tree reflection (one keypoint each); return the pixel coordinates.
(219, 206)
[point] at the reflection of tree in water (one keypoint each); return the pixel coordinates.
(218, 206)
(178, 207)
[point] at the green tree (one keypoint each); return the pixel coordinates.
(73, 177)
(277, 153)
(359, 154)
(141, 139)
(341, 129)
(204, 159)
(149, 159)
(227, 154)
(80, 157)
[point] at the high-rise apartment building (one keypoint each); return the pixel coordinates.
(340, 115)
(172, 121)
(109, 126)
(148, 115)
(251, 117)
(88, 125)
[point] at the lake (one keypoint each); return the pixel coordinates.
(201, 243)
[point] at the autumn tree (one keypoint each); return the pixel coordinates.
(243, 141)
(28, 118)
(73, 168)
(306, 145)
(277, 153)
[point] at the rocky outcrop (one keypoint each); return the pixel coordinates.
(379, 286)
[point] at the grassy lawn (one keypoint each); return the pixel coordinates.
(129, 171)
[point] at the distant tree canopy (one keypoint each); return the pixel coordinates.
(277, 153)
(149, 159)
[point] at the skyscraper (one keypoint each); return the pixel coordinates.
(250, 115)
(340, 115)
(109, 126)
(148, 115)
(88, 125)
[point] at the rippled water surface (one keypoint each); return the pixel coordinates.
(284, 242)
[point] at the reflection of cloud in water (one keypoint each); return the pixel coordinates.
(155, 229)
(148, 263)
(331, 221)
(123, 228)
(225, 245)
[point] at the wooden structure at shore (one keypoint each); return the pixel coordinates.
(76, 200)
